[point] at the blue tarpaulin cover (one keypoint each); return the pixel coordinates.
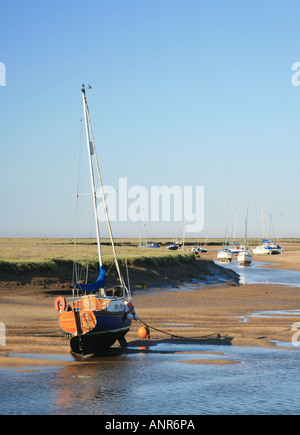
(95, 286)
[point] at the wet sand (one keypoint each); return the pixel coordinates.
(211, 314)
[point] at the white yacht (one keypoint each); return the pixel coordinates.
(225, 256)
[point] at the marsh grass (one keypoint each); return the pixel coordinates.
(21, 255)
(36, 255)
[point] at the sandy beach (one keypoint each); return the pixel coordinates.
(218, 314)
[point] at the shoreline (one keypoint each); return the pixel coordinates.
(211, 314)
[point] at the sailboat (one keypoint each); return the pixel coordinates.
(234, 249)
(268, 246)
(200, 249)
(245, 256)
(173, 247)
(225, 254)
(148, 243)
(91, 319)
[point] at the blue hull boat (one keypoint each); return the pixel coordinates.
(91, 319)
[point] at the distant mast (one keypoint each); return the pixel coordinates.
(90, 149)
(246, 226)
(262, 220)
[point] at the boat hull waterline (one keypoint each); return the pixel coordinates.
(225, 256)
(93, 331)
(245, 258)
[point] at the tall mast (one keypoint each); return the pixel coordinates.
(246, 225)
(234, 228)
(280, 222)
(104, 203)
(228, 225)
(262, 220)
(90, 149)
(93, 151)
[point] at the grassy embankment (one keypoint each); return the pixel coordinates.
(51, 262)
(33, 254)
(43, 257)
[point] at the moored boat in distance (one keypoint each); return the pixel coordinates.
(151, 245)
(267, 248)
(234, 249)
(198, 249)
(94, 318)
(245, 257)
(225, 256)
(173, 247)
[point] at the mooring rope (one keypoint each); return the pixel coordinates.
(174, 335)
(217, 334)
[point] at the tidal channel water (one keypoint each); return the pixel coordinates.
(257, 381)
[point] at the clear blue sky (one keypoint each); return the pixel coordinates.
(185, 92)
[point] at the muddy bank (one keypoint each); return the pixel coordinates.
(168, 275)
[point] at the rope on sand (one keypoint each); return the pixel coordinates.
(173, 335)
(214, 334)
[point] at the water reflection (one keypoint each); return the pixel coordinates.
(155, 383)
(257, 274)
(93, 388)
(159, 381)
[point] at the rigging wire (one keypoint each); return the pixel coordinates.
(79, 270)
(122, 282)
(75, 266)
